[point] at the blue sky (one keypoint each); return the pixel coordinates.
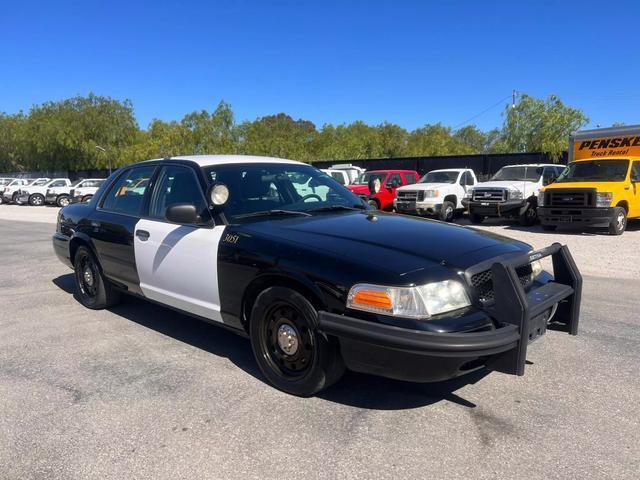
(406, 62)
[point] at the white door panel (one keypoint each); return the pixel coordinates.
(178, 266)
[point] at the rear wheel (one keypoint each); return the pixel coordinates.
(92, 289)
(291, 353)
(36, 200)
(14, 197)
(619, 222)
(447, 211)
(475, 218)
(86, 198)
(63, 201)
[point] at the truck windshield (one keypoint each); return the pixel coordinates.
(529, 174)
(440, 177)
(593, 170)
(365, 177)
(261, 189)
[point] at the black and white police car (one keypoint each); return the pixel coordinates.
(278, 251)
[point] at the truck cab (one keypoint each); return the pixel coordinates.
(511, 193)
(439, 193)
(378, 187)
(601, 186)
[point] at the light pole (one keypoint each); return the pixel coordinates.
(104, 150)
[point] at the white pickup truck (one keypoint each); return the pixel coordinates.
(81, 191)
(11, 191)
(439, 193)
(35, 194)
(511, 193)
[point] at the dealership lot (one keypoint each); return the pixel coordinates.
(143, 391)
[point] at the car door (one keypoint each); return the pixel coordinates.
(178, 264)
(112, 224)
(634, 200)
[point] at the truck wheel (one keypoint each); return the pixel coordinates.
(529, 216)
(447, 211)
(475, 218)
(373, 204)
(86, 198)
(63, 201)
(1, 199)
(14, 197)
(619, 222)
(290, 352)
(36, 200)
(92, 289)
(549, 228)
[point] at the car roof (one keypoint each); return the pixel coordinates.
(390, 170)
(450, 170)
(537, 165)
(210, 160)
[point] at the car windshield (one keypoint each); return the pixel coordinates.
(5, 181)
(364, 178)
(440, 177)
(40, 182)
(529, 174)
(281, 188)
(603, 170)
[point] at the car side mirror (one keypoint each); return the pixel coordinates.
(183, 213)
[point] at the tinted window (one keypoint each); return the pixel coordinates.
(635, 172)
(411, 178)
(126, 194)
(593, 170)
(467, 179)
(174, 185)
(440, 177)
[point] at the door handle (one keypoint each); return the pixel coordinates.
(143, 235)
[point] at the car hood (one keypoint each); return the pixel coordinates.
(396, 243)
(424, 186)
(517, 184)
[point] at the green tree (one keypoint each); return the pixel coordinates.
(12, 142)
(472, 137)
(279, 136)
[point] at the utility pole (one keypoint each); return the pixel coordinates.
(513, 98)
(104, 150)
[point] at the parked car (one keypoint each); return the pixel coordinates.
(439, 193)
(339, 176)
(352, 171)
(601, 185)
(83, 190)
(3, 183)
(511, 193)
(11, 191)
(35, 195)
(378, 187)
(318, 282)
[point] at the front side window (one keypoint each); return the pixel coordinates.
(38, 183)
(126, 194)
(595, 170)
(394, 180)
(261, 187)
(523, 174)
(175, 185)
(58, 183)
(440, 177)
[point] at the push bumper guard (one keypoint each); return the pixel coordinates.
(585, 216)
(497, 209)
(520, 317)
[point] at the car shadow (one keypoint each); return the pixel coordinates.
(354, 389)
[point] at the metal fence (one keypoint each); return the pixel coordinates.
(484, 165)
(72, 175)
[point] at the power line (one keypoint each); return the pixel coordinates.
(511, 95)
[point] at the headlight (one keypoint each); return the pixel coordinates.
(541, 199)
(431, 193)
(604, 199)
(515, 194)
(414, 302)
(536, 268)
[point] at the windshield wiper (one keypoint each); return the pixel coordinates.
(266, 213)
(329, 208)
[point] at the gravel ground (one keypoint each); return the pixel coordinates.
(143, 392)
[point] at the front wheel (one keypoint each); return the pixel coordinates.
(373, 204)
(529, 216)
(36, 200)
(291, 353)
(63, 201)
(447, 211)
(87, 198)
(92, 289)
(14, 198)
(619, 222)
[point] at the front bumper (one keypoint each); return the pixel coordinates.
(586, 217)
(495, 209)
(425, 207)
(519, 317)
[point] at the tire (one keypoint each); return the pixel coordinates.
(475, 218)
(619, 223)
(92, 289)
(283, 319)
(1, 199)
(529, 217)
(549, 228)
(373, 204)
(14, 197)
(447, 211)
(36, 200)
(86, 198)
(63, 200)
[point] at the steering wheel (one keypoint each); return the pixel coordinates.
(311, 195)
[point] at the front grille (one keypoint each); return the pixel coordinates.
(570, 198)
(489, 194)
(483, 282)
(408, 196)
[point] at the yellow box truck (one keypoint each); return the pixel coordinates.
(600, 186)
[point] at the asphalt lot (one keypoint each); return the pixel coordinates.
(143, 392)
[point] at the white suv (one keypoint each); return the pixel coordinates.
(512, 193)
(11, 191)
(85, 190)
(35, 194)
(66, 194)
(439, 193)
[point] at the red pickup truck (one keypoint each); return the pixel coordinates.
(388, 180)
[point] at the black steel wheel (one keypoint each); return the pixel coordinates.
(291, 354)
(14, 197)
(529, 217)
(92, 289)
